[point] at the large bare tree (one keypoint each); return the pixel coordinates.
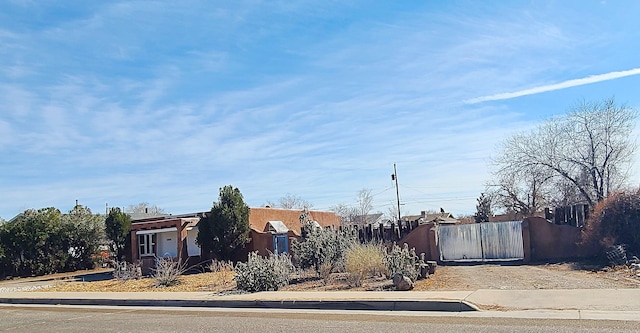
(524, 191)
(588, 149)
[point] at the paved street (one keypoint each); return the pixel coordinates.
(102, 319)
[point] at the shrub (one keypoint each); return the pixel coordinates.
(167, 272)
(363, 261)
(323, 246)
(124, 271)
(46, 241)
(325, 272)
(615, 221)
(224, 270)
(403, 261)
(264, 274)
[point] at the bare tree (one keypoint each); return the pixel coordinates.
(347, 213)
(589, 148)
(365, 203)
(145, 208)
(392, 212)
(523, 191)
(291, 201)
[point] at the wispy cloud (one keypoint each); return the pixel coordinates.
(556, 86)
(315, 100)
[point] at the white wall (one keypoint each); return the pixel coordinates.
(168, 244)
(192, 248)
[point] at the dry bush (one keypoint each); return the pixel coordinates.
(325, 272)
(124, 271)
(615, 221)
(364, 261)
(167, 272)
(223, 269)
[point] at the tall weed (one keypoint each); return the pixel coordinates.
(363, 261)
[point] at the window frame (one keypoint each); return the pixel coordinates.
(147, 245)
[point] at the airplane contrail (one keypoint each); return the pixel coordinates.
(555, 86)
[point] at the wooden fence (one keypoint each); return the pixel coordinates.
(575, 215)
(383, 233)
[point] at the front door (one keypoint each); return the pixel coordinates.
(280, 243)
(168, 244)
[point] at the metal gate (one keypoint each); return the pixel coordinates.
(490, 241)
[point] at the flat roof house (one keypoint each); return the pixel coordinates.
(174, 236)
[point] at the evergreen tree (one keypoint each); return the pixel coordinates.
(117, 228)
(225, 230)
(483, 208)
(84, 232)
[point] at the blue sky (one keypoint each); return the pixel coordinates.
(121, 102)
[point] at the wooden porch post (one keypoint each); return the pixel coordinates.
(134, 246)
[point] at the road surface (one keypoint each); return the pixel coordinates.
(103, 319)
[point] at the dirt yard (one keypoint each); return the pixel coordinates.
(461, 277)
(523, 277)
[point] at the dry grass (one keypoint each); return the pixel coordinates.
(363, 262)
(445, 278)
(214, 282)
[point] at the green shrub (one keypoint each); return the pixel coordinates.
(46, 241)
(167, 272)
(364, 261)
(264, 274)
(323, 246)
(404, 261)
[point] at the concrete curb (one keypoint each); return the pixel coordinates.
(376, 305)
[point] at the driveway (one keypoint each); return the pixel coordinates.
(38, 282)
(527, 277)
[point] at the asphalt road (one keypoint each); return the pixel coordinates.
(100, 319)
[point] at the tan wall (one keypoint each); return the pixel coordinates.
(423, 239)
(552, 242)
(259, 241)
(541, 241)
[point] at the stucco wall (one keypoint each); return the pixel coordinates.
(552, 242)
(423, 239)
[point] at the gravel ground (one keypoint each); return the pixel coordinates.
(459, 277)
(24, 288)
(526, 277)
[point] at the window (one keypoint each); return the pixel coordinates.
(147, 244)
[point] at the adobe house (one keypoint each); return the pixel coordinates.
(174, 236)
(273, 229)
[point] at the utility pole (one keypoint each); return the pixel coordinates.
(394, 176)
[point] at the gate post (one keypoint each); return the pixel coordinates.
(526, 241)
(434, 249)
